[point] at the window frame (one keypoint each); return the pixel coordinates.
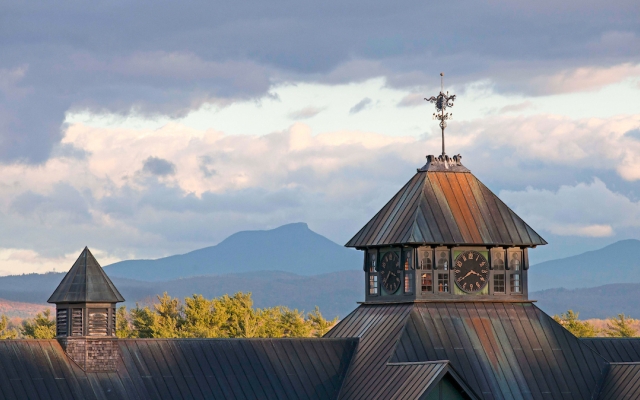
(515, 274)
(372, 272)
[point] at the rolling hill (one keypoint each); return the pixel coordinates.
(616, 263)
(292, 248)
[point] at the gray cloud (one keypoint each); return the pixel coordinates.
(361, 105)
(169, 59)
(305, 113)
(158, 166)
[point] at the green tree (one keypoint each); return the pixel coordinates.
(7, 331)
(202, 319)
(224, 316)
(41, 327)
(144, 321)
(620, 326)
(320, 325)
(294, 324)
(570, 322)
(124, 328)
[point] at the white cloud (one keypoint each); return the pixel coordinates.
(591, 210)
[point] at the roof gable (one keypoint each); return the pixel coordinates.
(446, 206)
(499, 350)
(86, 281)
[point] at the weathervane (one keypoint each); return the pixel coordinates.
(442, 101)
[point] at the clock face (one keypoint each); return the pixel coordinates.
(390, 272)
(471, 271)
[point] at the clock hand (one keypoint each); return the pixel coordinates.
(474, 272)
(466, 275)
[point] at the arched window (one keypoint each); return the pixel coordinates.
(373, 273)
(497, 260)
(443, 265)
(425, 265)
(408, 271)
(515, 267)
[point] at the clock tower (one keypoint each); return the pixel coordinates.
(445, 236)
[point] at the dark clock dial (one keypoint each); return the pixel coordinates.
(471, 271)
(390, 272)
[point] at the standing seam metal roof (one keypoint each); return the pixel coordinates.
(86, 281)
(446, 207)
(501, 350)
(181, 369)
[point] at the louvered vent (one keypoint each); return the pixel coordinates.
(76, 322)
(61, 322)
(113, 322)
(98, 321)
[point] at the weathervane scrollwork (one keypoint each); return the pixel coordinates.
(442, 102)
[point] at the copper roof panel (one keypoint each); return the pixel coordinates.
(446, 208)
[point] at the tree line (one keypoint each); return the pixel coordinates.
(618, 326)
(194, 317)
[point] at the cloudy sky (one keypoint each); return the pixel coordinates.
(149, 129)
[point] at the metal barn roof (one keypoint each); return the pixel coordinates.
(86, 282)
(181, 369)
(618, 350)
(500, 350)
(622, 382)
(446, 204)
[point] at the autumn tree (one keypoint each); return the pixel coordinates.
(620, 326)
(41, 327)
(570, 322)
(7, 331)
(222, 317)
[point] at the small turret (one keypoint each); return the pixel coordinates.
(86, 315)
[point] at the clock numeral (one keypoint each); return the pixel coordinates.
(464, 258)
(484, 271)
(460, 279)
(471, 256)
(478, 285)
(464, 286)
(482, 279)
(457, 271)
(482, 263)
(459, 264)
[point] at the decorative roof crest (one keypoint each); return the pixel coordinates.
(444, 163)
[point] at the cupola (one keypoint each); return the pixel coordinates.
(85, 303)
(445, 236)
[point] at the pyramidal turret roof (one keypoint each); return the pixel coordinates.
(86, 282)
(445, 204)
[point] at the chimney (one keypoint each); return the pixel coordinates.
(86, 315)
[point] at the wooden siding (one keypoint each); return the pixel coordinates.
(448, 208)
(501, 350)
(181, 369)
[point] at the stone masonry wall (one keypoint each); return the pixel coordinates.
(92, 354)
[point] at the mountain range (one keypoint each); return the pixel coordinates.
(617, 263)
(292, 248)
(296, 267)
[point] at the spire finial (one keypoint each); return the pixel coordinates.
(442, 101)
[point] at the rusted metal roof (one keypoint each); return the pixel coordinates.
(86, 282)
(500, 350)
(446, 206)
(181, 369)
(619, 350)
(371, 374)
(622, 382)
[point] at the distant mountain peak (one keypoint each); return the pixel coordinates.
(292, 248)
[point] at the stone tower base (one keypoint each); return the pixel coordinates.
(92, 354)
